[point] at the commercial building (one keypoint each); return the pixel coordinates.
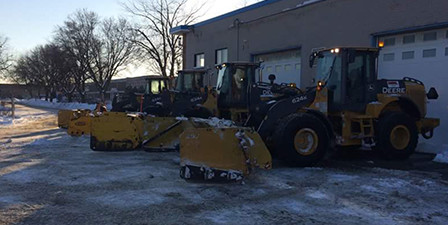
(283, 33)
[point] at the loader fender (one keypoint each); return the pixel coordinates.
(282, 109)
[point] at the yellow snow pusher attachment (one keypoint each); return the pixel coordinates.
(116, 131)
(79, 123)
(64, 116)
(209, 148)
(221, 154)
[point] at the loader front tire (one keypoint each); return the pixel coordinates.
(396, 136)
(301, 139)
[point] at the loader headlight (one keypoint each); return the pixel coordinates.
(335, 50)
(320, 85)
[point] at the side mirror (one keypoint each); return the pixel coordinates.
(272, 78)
(432, 94)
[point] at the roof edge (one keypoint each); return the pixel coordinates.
(411, 29)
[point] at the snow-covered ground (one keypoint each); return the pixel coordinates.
(24, 115)
(47, 177)
(55, 104)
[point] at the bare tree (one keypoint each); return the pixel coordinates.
(154, 38)
(5, 57)
(21, 74)
(101, 48)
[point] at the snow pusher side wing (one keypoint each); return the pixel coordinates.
(116, 131)
(162, 133)
(221, 154)
(80, 121)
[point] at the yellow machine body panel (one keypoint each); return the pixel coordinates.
(417, 93)
(223, 153)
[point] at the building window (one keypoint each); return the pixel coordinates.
(408, 39)
(199, 60)
(428, 53)
(446, 51)
(408, 55)
(221, 56)
(389, 57)
(430, 36)
(278, 68)
(389, 42)
(446, 35)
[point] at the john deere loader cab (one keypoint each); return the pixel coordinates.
(189, 94)
(350, 77)
(233, 89)
(245, 99)
(385, 114)
(152, 100)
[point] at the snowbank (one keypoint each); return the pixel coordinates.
(442, 157)
(56, 105)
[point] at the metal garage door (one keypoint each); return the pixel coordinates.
(286, 66)
(424, 56)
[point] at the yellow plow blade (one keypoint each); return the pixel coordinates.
(64, 118)
(116, 131)
(222, 154)
(79, 123)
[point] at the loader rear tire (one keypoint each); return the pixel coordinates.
(396, 136)
(301, 139)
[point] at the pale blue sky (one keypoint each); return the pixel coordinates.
(28, 23)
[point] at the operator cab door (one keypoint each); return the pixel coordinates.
(234, 88)
(356, 76)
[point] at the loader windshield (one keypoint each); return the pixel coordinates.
(220, 84)
(190, 81)
(325, 65)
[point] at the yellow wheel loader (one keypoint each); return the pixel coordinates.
(348, 106)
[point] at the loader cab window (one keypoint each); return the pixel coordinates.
(190, 81)
(325, 65)
(359, 76)
(329, 70)
(157, 86)
(334, 84)
(232, 85)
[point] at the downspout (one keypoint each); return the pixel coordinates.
(237, 23)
